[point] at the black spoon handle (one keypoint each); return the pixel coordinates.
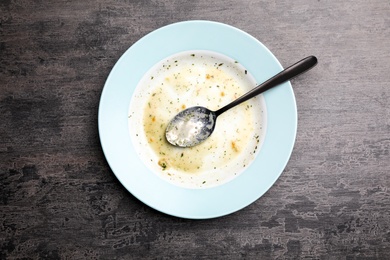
(283, 76)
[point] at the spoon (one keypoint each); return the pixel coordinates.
(195, 124)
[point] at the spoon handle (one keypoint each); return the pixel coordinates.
(285, 75)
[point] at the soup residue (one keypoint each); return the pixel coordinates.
(197, 78)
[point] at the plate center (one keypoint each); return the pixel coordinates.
(197, 78)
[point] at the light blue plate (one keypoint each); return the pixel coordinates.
(146, 185)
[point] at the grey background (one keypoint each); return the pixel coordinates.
(60, 200)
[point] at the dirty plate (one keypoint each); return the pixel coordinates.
(281, 114)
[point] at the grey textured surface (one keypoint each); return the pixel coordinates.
(60, 200)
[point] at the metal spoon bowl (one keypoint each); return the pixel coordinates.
(194, 125)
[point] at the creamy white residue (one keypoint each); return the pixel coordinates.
(197, 78)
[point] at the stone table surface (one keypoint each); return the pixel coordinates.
(59, 198)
